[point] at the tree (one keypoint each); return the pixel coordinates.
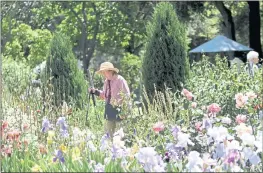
(165, 61)
(254, 27)
(135, 16)
(67, 80)
(228, 22)
(27, 45)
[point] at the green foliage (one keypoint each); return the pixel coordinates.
(16, 76)
(208, 82)
(130, 70)
(27, 45)
(216, 83)
(68, 81)
(165, 61)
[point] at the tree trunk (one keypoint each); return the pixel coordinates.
(92, 43)
(87, 47)
(228, 23)
(84, 39)
(254, 27)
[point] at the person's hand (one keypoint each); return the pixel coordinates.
(122, 117)
(92, 90)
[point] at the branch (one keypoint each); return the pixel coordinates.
(75, 13)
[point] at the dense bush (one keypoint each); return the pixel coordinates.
(165, 61)
(217, 83)
(131, 68)
(68, 81)
(16, 76)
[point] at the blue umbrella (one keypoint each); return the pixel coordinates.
(220, 44)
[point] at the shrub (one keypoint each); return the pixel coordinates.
(216, 83)
(67, 80)
(131, 66)
(165, 61)
(16, 76)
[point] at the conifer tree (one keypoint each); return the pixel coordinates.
(165, 61)
(68, 81)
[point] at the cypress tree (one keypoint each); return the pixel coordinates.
(165, 61)
(68, 81)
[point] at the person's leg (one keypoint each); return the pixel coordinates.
(110, 127)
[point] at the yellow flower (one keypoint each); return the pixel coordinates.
(36, 168)
(51, 133)
(63, 148)
(82, 145)
(218, 169)
(134, 150)
(75, 154)
(49, 140)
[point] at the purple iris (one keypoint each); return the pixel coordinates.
(63, 127)
(251, 156)
(115, 152)
(175, 131)
(167, 157)
(118, 152)
(219, 151)
(174, 152)
(207, 123)
(134, 131)
(103, 142)
(59, 156)
(62, 123)
(99, 168)
(232, 156)
(45, 125)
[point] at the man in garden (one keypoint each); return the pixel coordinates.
(116, 94)
(251, 67)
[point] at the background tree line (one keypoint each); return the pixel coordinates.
(116, 31)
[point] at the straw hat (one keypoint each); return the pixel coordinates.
(107, 66)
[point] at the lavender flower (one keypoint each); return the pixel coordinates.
(91, 146)
(64, 133)
(183, 140)
(118, 152)
(45, 125)
(99, 168)
(62, 123)
(115, 152)
(218, 134)
(232, 157)
(251, 156)
(258, 142)
(175, 131)
(260, 115)
(150, 160)
(195, 162)
(134, 132)
(220, 150)
(104, 142)
(59, 156)
(174, 152)
(207, 124)
(63, 127)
